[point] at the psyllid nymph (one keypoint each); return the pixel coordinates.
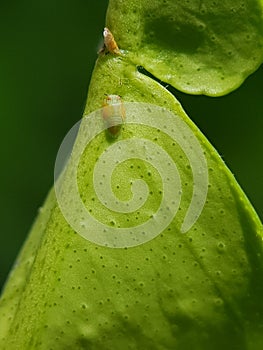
(113, 113)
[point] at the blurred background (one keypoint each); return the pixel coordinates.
(48, 50)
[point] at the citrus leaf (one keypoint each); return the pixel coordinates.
(201, 289)
(199, 47)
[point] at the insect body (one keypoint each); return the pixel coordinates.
(113, 113)
(109, 42)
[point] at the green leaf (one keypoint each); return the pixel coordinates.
(201, 290)
(199, 47)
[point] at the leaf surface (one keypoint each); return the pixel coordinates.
(201, 290)
(199, 47)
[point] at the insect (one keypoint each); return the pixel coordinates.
(109, 42)
(113, 113)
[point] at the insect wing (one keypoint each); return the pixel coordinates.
(113, 114)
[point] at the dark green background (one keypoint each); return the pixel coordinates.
(48, 50)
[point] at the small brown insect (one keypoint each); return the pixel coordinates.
(109, 42)
(113, 113)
